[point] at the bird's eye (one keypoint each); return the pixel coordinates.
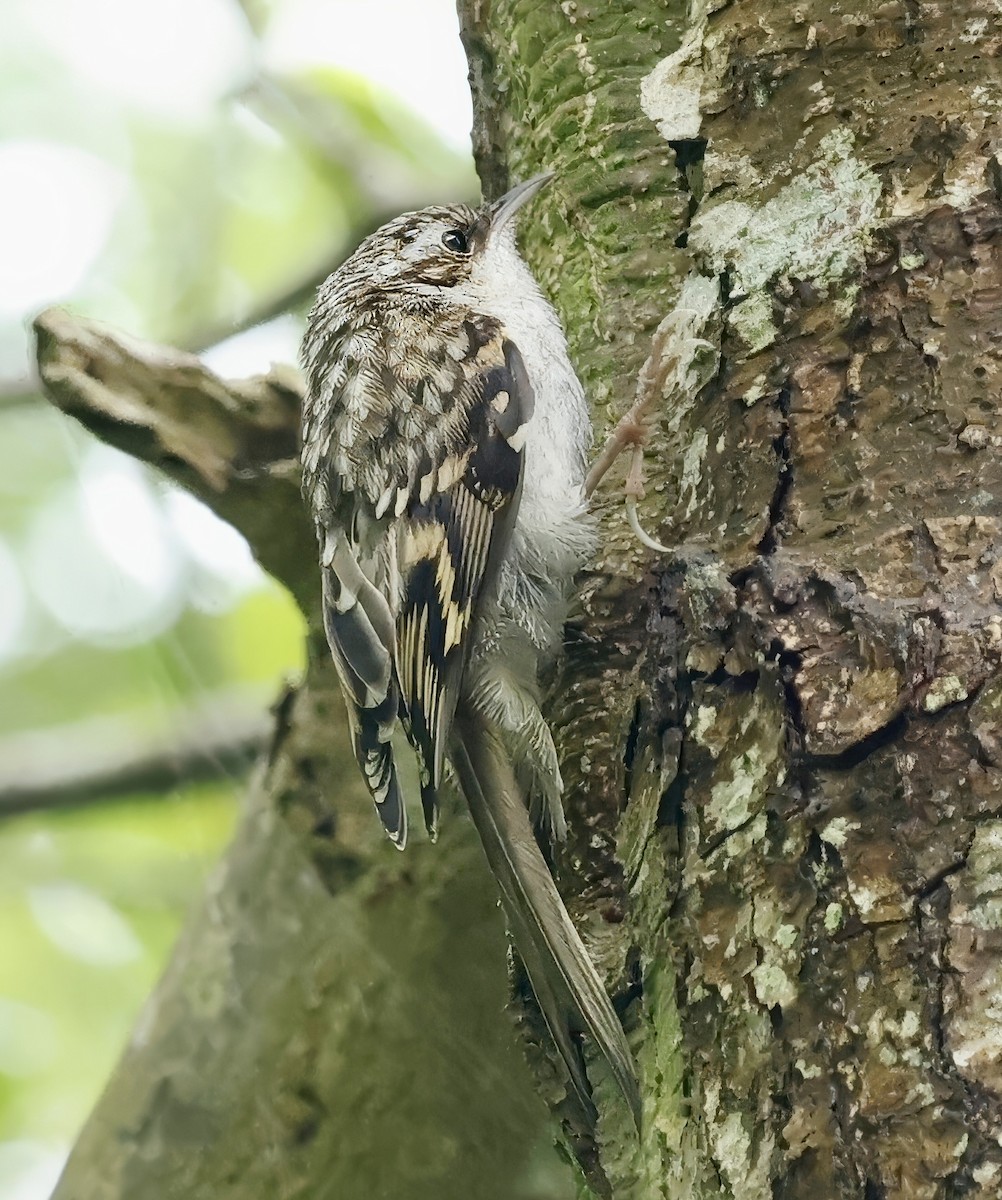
(455, 240)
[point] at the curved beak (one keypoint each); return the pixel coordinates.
(501, 211)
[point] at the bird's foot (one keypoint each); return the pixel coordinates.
(632, 431)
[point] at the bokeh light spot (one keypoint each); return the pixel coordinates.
(83, 925)
(57, 205)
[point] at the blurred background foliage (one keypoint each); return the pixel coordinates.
(188, 172)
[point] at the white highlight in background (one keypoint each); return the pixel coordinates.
(409, 47)
(225, 568)
(83, 924)
(99, 555)
(57, 205)
(175, 58)
(255, 350)
(29, 1169)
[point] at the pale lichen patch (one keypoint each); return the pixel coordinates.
(878, 898)
(681, 86)
(978, 893)
(787, 936)
(701, 721)
(834, 917)
(689, 332)
(948, 689)
(774, 976)
(692, 470)
(808, 1070)
(752, 321)
(742, 843)
(744, 1166)
(773, 986)
(817, 227)
(671, 94)
(733, 800)
(837, 831)
(759, 388)
(974, 30)
(986, 1174)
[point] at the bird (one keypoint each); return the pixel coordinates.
(445, 437)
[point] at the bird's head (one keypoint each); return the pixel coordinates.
(444, 252)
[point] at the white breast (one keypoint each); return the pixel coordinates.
(553, 536)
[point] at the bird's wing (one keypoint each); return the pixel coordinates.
(414, 474)
(452, 531)
(414, 519)
(359, 629)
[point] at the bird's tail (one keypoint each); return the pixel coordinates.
(563, 977)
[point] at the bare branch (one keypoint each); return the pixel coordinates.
(232, 443)
(104, 758)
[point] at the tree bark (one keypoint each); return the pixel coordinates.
(781, 744)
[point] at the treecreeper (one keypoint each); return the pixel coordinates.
(445, 441)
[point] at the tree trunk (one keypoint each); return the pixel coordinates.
(788, 733)
(781, 744)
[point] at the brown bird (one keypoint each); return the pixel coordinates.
(445, 436)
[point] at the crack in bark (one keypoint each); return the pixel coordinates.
(852, 756)
(689, 155)
(913, 26)
(938, 955)
(714, 844)
(672, 813)
(860, 928)
(630, 750)
(929, 361)
(769, 541)
(925, 890)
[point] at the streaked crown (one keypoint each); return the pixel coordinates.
(421, 253)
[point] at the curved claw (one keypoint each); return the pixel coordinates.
(639, 531)
(634, 491)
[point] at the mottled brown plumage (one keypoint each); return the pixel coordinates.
(444, 439)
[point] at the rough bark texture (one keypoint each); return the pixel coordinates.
(782, 745)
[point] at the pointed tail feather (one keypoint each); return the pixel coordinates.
(375, 757)
(360, 638)
(563, 977)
